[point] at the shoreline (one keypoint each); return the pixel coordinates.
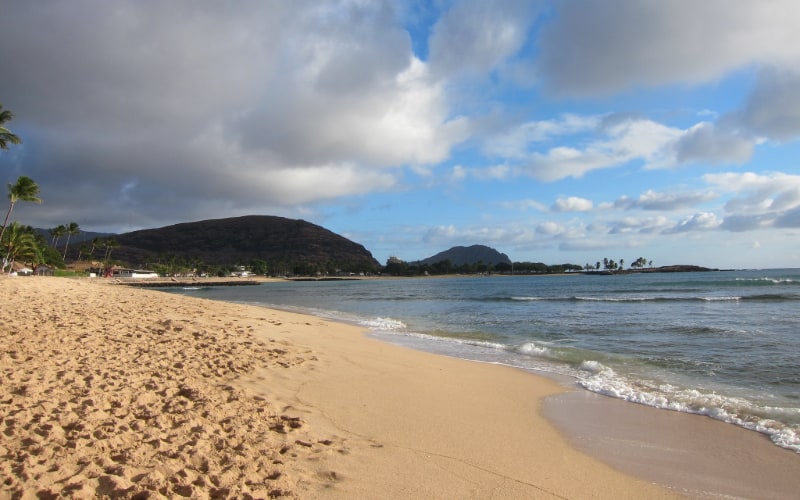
(727, 471)
(695, 454)
(302, 407)
(129, 392)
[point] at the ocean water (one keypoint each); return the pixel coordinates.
(722, 344)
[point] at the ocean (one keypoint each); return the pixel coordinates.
(723, 344)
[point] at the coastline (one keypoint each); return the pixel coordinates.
(119, 391)
(188, 395)
(695, 454)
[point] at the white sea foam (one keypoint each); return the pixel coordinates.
(739, 411)
(617, 299)
(531, 349)
(594, 367)
(776, 281)
(428, 340)
(383, 324)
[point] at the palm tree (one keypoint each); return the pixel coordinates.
(95, 243)
(57, 232)
(72, 228)
(110, 244)
(6, 136)
(18, 242)
(23, 190)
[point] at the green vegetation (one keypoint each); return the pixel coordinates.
(22, 190)
(23, 244)
(71, 228)
(611, 265)
(396, 267)
(19, 243)
(260, 244)
(6, 136)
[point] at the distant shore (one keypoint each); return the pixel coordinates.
(189, 282)
(662, 269)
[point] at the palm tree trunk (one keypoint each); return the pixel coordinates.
(66, 246)
(5, 222)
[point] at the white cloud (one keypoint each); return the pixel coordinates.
(646, 225)
(476, 37)
(263, 104)
(550, 228)
(654, 200)
(632, 138)
(745, 222)
(613, 141)
(606, 47)
(773, 108)
(524, 205)
(401, 118)
(572, 204)
(702, 221)
(757, 193)
(498, 172)
(457, 173)
(790, 218)
(705, 142)
(450, 234)
(563, 161)
(438, 234)
(307, 185)
(515, 142)
(625, 139)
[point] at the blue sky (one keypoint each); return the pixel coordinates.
(553, 131)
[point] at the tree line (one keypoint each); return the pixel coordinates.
(611, 265)
(395, 267)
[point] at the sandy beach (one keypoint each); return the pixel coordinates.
(129, 393)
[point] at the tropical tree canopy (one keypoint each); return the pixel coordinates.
(56, 233)
(22, 190)
(23, 244)
(17, 243)
(6, 136)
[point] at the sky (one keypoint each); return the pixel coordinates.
(552, 131)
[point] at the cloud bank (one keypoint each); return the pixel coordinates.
(539, 125)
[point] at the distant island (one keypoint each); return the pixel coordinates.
(481, 259)
(661, 269)
(259, 245)
(460, 255)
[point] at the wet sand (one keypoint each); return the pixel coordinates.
(696, 455)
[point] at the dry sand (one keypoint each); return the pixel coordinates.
(127, 393)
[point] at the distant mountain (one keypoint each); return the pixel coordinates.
(287, 245)
(459, 256)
